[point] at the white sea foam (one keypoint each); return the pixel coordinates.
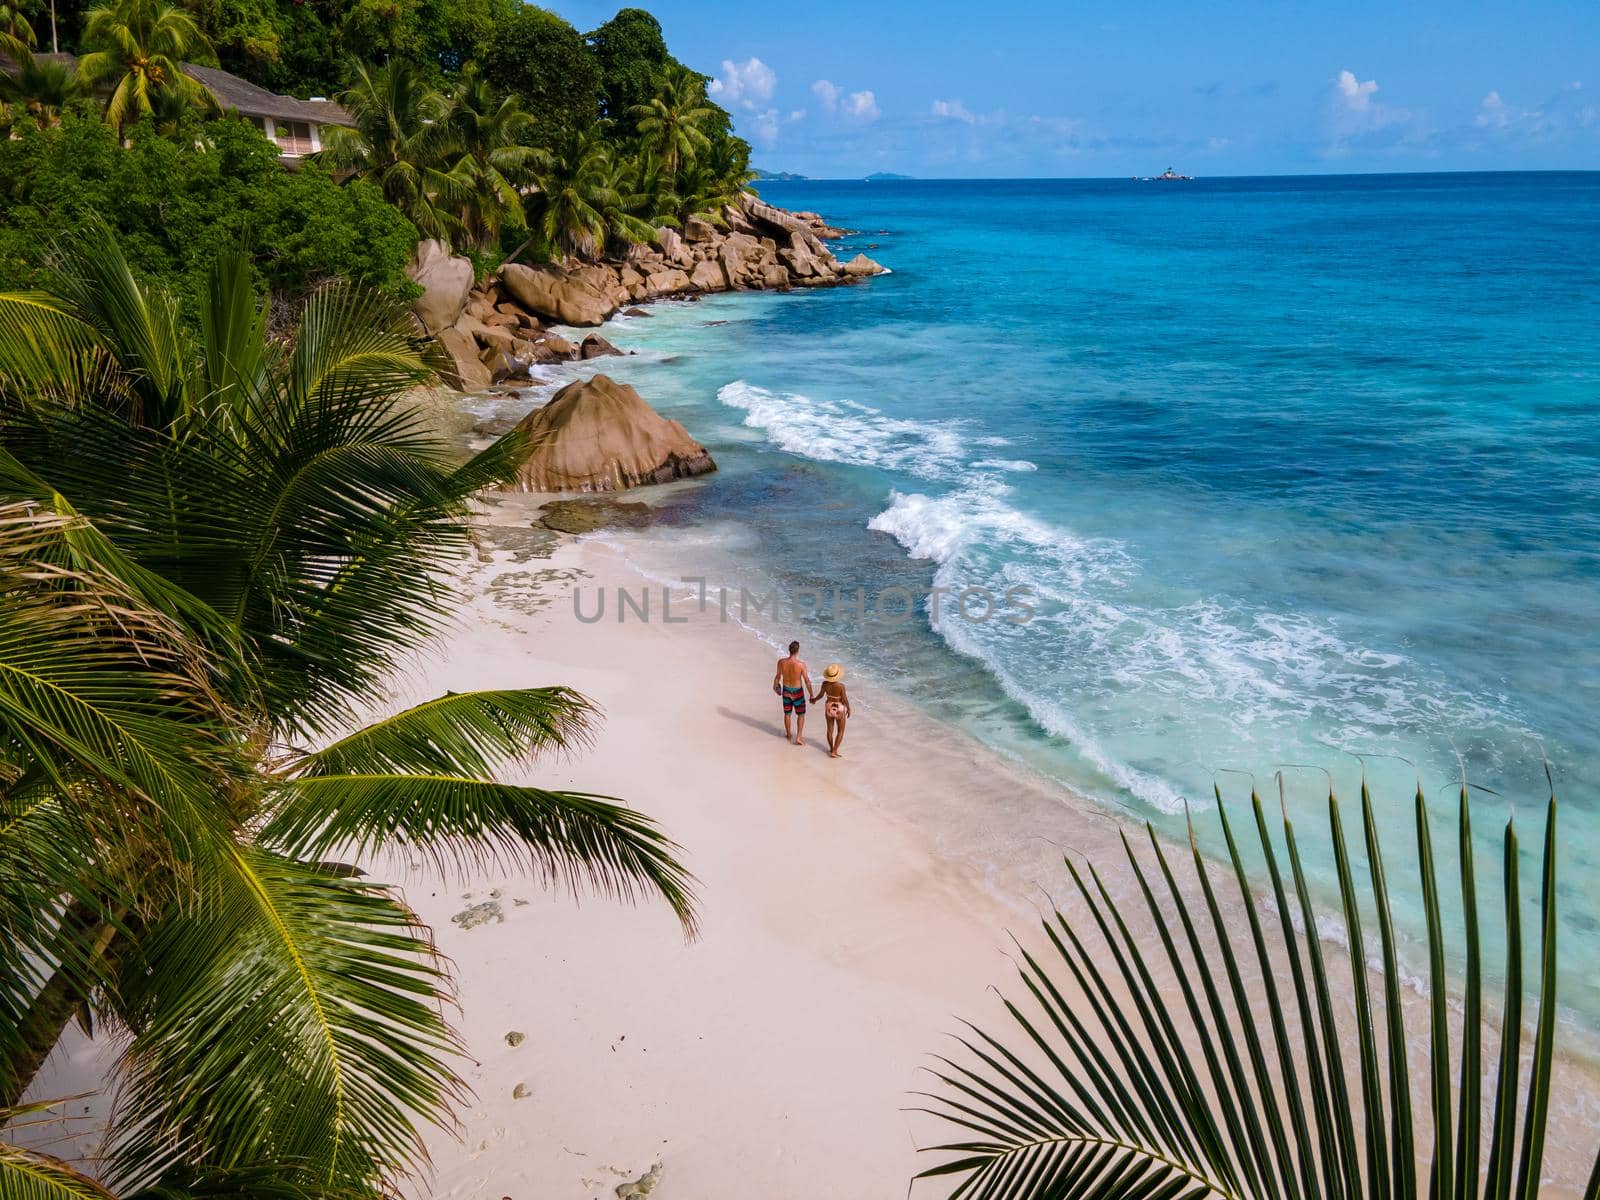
(1140, 678)
(1004, 464)
(1102, 647)
(844, 431)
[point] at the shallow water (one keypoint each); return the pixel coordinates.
(1292, 469)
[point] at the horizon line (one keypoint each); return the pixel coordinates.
(1192, 179)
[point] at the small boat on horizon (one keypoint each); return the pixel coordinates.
(1167, 176)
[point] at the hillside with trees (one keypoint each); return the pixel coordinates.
(493, 125)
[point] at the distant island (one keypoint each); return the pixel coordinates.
(781, 176)
(886, 177)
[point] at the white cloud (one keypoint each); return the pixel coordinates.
(861, 106)
(798, 114)
(826, 93)
(767, 127)
(1357, 95)
(749, 84)
(1357, 117)
(953, 110)
(1492, 112)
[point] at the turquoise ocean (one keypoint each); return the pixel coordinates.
(1295, 470)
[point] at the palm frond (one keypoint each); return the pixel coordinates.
(466, 734)
(285, 1020)
(92, 681)
(1171, 1078)
(47, 352)
(568, 838)
(233, 326)
(30, 1175)
(137, 325)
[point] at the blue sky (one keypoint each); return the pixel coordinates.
(838, 89)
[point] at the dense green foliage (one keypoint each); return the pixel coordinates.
(544, 62)
(214, 548)
(632, 57)
(491, 124)
(470, 165)
(175, 207)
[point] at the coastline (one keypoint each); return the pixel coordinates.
(853, 911)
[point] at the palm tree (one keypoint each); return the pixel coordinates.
(635, 201)
(487, 136)
(106, 698)
(401, 141)
(16, 34)
(716, 179)
(671, 123)
(141, 46)
(277, 505)
(1152, 1084)
(575, 192)
(39, 87)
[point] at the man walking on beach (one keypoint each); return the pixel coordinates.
(793, 683)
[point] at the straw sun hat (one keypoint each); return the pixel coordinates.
(833, 672)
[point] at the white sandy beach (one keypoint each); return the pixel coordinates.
(843, 927)
(850, 911)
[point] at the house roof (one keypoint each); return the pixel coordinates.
(232, 92)
(253, 101)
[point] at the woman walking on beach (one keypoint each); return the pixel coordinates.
(837, 711)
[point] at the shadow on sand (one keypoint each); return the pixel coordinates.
(774, 729)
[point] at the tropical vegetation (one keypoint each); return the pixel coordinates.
(471, 165)
(490, 124)
(135, 49)
(1195, 1044)
(176, 203)
(215, 546)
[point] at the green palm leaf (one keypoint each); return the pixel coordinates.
(92, 682)
(47, 352)
(566, 837)
(287, 1019)
(1164, 1088)
(29, 1175)
(464, 734)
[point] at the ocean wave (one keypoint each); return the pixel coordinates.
(844, 431)
(1106, 652)
(1004, 464)
(1139, 677)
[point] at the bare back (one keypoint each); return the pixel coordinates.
(792, 670)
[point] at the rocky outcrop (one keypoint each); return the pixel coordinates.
(756, 245)
(597, 435)
(465, 371)
(556, 295)
(698, 229)
(595, 346)
(446, 283)
(861, 266)
(708, 277)
(820, 227)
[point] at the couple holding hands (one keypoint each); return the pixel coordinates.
(792, 683)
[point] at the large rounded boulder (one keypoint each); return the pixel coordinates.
(598, 435)
(446, 283)
(571, 299)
